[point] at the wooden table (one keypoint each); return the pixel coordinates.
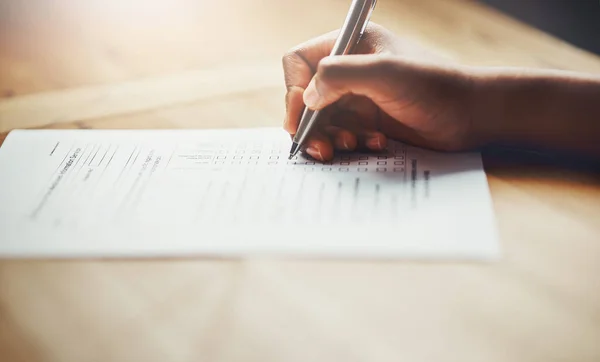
(201, 64)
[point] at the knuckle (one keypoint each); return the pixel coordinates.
(372, 32)
(376, 40)
(294, 55)
(289, 56)
(371, 38)
(329, 68)
(384, 66)
(292, 60)
(374, 28)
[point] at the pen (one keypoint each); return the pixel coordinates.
(352, 30)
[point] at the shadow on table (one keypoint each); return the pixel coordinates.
(549, 168)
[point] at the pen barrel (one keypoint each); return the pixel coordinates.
(352, 30)
(307, 122)
(354, 26)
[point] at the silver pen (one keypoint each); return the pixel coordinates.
(352, 30)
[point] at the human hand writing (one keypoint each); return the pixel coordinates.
(384, 90)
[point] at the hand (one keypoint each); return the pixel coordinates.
(380, 92)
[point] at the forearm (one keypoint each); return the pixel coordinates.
(545, 110)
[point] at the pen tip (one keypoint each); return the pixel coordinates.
(294, 150)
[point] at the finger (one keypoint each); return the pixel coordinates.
(319, 147)
(362, 107)
(299, 66)
(294, 109)
(300, 63)
(372, 76)
(372, 140)
(366, 138)
(343, 139)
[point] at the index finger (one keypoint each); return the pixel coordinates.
(300, 63)
(299, 66)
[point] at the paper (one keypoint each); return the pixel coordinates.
(152, 193)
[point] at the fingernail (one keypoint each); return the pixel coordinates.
(311, 95)
(340, 143)
(315, 153)
(350, 141)
(345, 142)
(374, 143)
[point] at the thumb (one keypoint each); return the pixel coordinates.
(370, 75)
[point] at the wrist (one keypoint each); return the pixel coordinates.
(487, 108)
(545, 110)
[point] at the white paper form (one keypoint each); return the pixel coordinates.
(153, 193)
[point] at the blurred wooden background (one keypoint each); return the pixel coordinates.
(201, 64)
(577, 22)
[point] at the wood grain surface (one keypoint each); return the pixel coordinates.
(204, 64)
